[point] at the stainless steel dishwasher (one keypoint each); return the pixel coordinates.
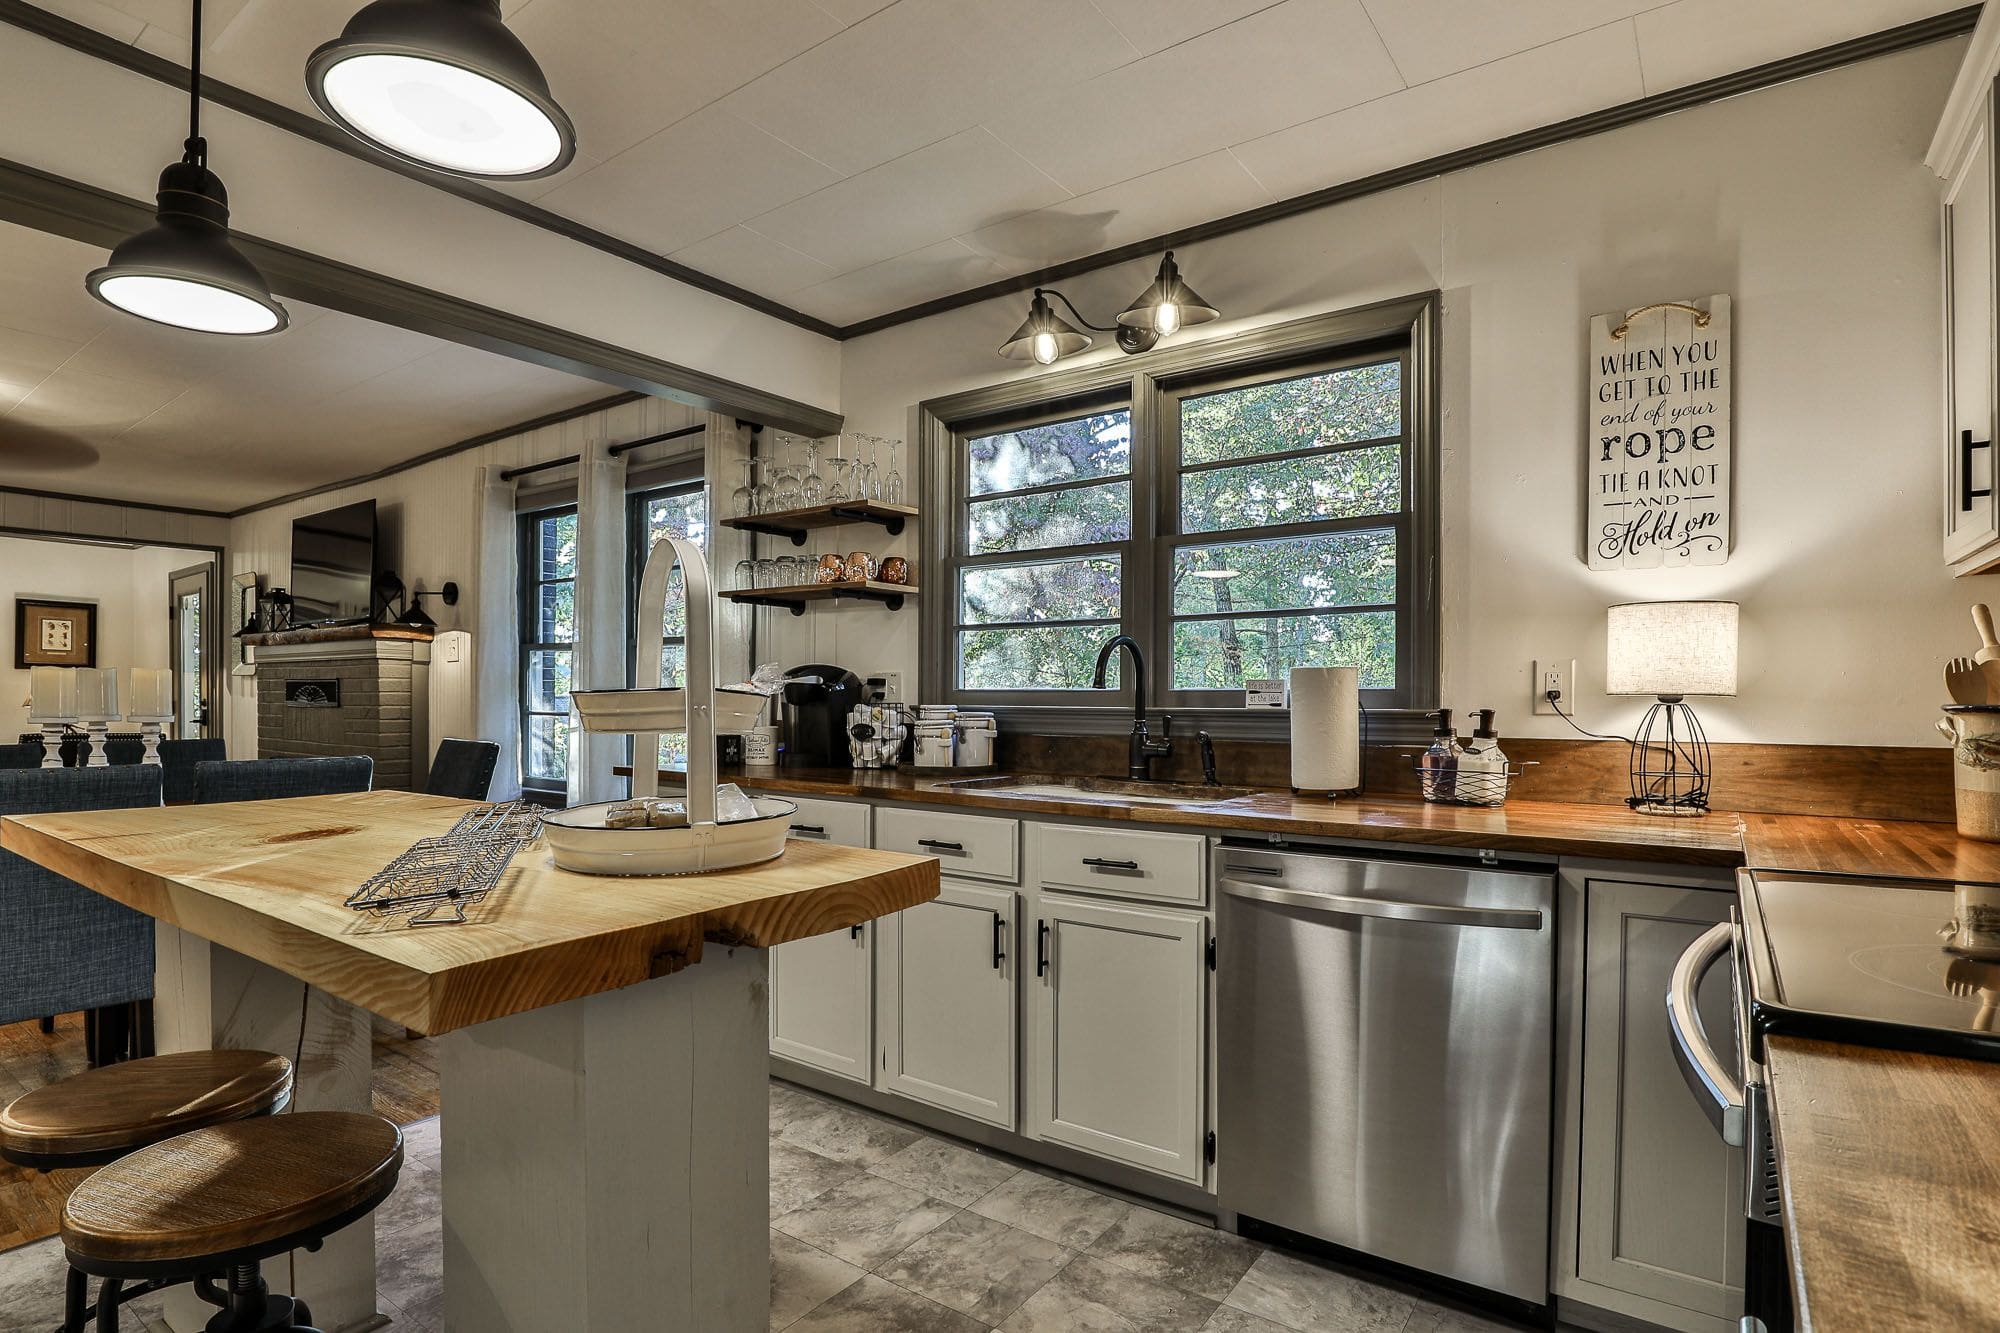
(1384, 1046)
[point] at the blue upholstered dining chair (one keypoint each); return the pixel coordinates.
(463, 769)
(21, 756)
(274, 779)
(62, 947)
(177, 761)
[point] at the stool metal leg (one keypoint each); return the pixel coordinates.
(107, 1305)
(76, 1301)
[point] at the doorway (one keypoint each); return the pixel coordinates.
(196, 659)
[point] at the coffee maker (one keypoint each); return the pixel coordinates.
(817, 699)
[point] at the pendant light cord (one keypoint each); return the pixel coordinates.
(195, 152)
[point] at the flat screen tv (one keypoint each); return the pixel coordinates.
(333, 566)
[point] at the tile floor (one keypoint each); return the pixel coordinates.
(877, 1227)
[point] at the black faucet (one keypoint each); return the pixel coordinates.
(1143, 749)
(1207, 743)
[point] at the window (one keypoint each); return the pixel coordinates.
(548, 636)
(681, 510)
(1268, 507)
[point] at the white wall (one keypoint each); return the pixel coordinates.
(428, 518)
(129, 587)
(1809, 203)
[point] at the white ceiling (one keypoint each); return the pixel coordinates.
(94, 402)
(852, 157)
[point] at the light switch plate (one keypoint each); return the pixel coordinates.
(1554, 675)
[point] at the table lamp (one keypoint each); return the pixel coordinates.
(1670, 650)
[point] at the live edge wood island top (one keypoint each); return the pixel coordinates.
(268, 879)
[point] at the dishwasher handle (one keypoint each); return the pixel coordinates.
(1341, 904)
(1718, 1090)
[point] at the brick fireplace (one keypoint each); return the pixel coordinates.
(350, 689)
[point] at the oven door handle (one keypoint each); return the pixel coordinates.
(1718, 1090)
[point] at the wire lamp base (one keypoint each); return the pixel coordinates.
(1670, 762)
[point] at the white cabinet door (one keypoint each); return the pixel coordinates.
(1661, 1207)
(945, 1002)
(1115, 1007)
(1972, 500)
(821, 1002)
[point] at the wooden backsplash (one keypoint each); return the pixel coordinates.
(1857, 781)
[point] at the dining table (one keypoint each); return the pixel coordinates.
(603, 1043)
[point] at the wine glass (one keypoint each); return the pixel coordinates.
(859, 485)
(869, 485)
(892, 485)
(836, 481)
(785, 489)
(812, 489)
(743, 500)
(765, 501)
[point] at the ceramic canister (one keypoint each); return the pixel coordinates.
(1975, 770)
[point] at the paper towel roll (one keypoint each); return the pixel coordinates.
(1326, 729)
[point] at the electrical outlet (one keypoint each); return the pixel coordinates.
(1558, 676)
(892, 686)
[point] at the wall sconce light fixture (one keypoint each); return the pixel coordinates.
(1166, 306)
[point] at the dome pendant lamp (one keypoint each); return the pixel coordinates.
(183, 271)
(1168, 306)
(442, 84)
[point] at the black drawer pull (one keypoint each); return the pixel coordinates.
(1041, 948)
(937, 846)
(810, 830)
(1099, 863)
(999, 941)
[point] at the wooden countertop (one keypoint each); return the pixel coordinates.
(1546, 827)
(1812, 843)
(1891, 1171)
(268, 879)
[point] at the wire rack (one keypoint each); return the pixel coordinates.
(1462, 786)
(436, 879)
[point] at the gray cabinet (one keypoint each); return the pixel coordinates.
(1114, 1043)
(945, 1002)
(822, 1008)
(1658, 1197)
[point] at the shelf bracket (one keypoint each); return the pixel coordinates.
(891, 523)
(796, 535)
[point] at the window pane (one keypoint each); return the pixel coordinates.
(555, 547)
(548, 748)
(1048, 590)
(1291, 573)
(1082, 517)
(548, 681)
(1219, 654)
(683, 515)
(1337, 407)
(1354, 483)
(555, 613)
(673, 664)
(1054, 658)
(1099, 445)
(674, 750)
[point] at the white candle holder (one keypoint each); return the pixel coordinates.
(52, 738)
(149, 732)
(98, 729)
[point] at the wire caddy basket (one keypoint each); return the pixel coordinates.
(1459, 786)
(436, 879)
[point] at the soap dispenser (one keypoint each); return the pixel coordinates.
(1439, 763)
(1482, 769)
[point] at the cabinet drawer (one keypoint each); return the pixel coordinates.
(967, 844)
(1169, 867)
(830, 821)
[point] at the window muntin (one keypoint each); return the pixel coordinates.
(548, 624)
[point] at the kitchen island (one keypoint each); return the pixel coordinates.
(604, 1039)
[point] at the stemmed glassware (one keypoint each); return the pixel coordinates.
(892, 485)
(766, 501)
(785, 488)
(836, 482)
(859, 486)
(743, 500)
(811, 488)
(869, 486)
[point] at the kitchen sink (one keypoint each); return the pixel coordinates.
(1110, 791)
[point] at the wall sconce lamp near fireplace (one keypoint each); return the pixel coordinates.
(1166, 306)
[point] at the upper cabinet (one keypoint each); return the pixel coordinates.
(1962, 154)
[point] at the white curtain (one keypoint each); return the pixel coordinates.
(496, 668)
(599, 662)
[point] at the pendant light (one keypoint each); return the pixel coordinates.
(1169, 305)
(442, 84)
(1045, 335)
(183, 271)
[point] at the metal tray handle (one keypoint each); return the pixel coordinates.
(1718, 1090)
(1340, 904)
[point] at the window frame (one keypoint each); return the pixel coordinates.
(1153, 385)
(529, 522)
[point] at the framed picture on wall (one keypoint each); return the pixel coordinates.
(50, 633)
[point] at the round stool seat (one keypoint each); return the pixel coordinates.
(231, 1193)
(104, 1113)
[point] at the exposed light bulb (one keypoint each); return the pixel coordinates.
(1045, 349)
(1166, 317)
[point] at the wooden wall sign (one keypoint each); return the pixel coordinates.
(1658, 476)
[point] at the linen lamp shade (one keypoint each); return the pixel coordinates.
(1670, 649)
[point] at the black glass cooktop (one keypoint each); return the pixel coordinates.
(1862, 960)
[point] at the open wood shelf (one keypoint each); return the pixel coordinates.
(795, 599)
(796, 523)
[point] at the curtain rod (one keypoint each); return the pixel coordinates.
(615, 450)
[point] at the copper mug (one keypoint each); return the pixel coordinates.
(895, 569)
(832, 569)
(860, 567)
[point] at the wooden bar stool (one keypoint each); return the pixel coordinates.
(103, 1114)
(222, 1200)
